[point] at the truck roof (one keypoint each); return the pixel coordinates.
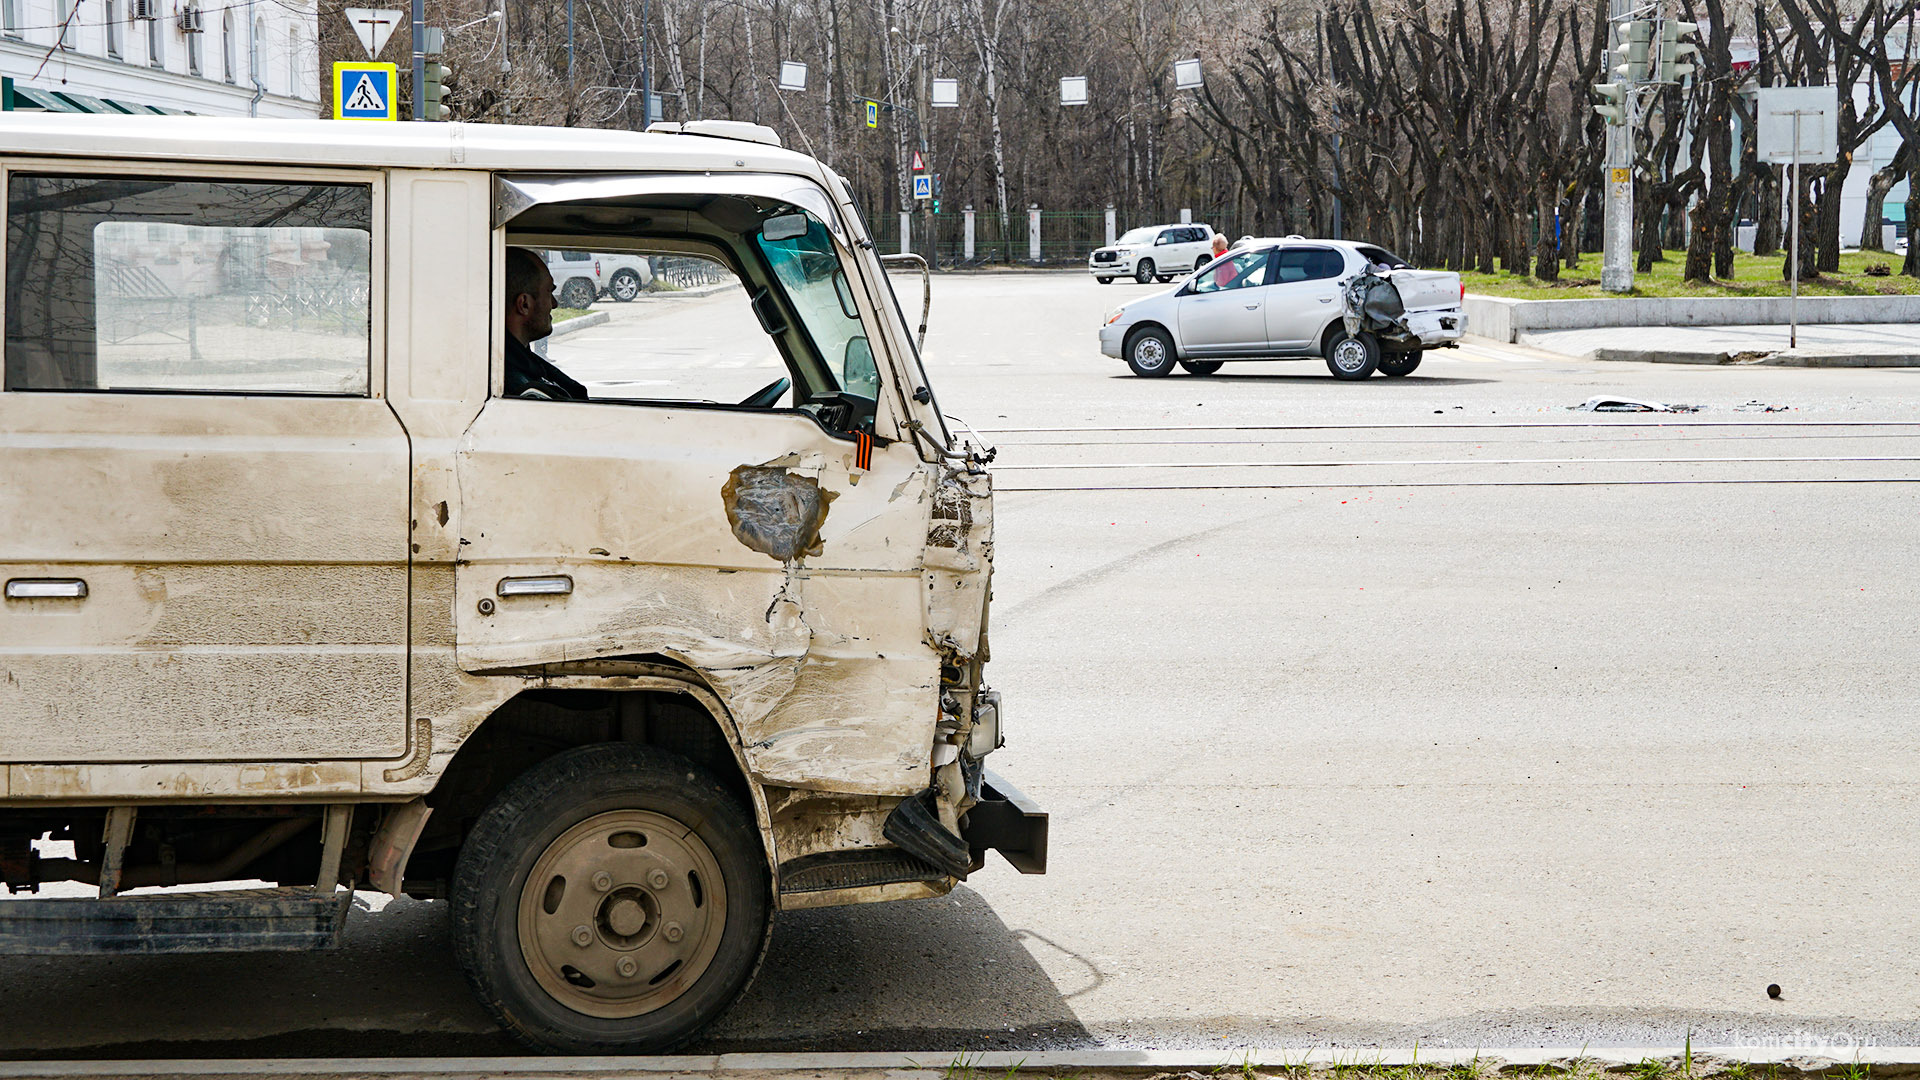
(359, 143)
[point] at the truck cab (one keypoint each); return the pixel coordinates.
(299, 593)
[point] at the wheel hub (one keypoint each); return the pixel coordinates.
(621, 913)
(1350, 355)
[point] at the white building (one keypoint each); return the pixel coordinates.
(211, 57)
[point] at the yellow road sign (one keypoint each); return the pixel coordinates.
(365, 91)
(873, 114)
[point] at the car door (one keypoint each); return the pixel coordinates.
(203, 523)
(1304, 296)
(689, 508)
(1222, 310)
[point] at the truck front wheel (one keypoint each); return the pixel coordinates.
(612, 900)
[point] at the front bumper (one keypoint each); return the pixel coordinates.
(1121, 267)
(1112, 337)
(1006, 821)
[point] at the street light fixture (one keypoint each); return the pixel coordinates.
(1073, 90)
(946, 93)
(1186, 74)
(793, 75)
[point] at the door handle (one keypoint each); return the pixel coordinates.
(1253, 307)
(544, 585)
(1326, 299)
(46, 589)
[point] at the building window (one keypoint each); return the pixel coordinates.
(196, 37)
(226, 46)
(156, 43)
(70, 24)
(296, 55)
(257, 54)
(10, 17)
(115, 33)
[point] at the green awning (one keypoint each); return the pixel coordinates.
(33, 98)
(134, 108)
(87, 103)
(170, 112)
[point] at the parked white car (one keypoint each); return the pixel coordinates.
(581, 277)
(1162, 252)
(1358, 306)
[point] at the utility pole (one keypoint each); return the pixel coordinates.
(924, 207)
(419, 59)
(1616, 260)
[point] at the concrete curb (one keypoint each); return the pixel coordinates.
(945, 1064)
(579, 322)
(1506, 319)
(1807, 358)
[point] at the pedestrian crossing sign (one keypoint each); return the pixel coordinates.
(923, 186)
(364, 91)
(873, 114)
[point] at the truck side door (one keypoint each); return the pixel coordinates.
(203, 517)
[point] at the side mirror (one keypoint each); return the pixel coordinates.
(859, 374)
(784, 227)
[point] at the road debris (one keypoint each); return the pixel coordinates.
(1606, 403)
(1759, 406)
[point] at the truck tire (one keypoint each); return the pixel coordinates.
(1352, 357)
(1150, 353)
(1143, 273)
(1401, 364)
(613, 899)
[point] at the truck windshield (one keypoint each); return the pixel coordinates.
(809, 270)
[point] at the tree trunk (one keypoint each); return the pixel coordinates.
(1881, 182)
(1769, 228)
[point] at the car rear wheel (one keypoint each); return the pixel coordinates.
(613, 899)
(624, 286)
(1400, 365)
(578, 293)
(1352, 356)
(1201, 367)
(1150, 353)
(1143, 273)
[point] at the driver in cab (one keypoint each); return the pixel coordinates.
(530, 304)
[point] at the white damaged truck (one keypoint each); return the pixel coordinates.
(298, 594)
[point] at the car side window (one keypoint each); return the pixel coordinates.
(144, 283)
(1307, 264)
(1243, 271)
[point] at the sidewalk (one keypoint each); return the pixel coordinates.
(1820, 345)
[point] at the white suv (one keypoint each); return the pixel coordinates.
(1155, 251)
(581, 277)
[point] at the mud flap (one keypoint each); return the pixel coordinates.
(1008, 822)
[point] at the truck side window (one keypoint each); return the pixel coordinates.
(188, 285)
(691, 335)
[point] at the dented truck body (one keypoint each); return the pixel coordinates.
(297, 593)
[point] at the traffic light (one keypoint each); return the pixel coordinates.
(1630, 56)
(1611, 101)
(1673, 52)
(434, 91)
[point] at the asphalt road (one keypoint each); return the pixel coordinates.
(1425, 709)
